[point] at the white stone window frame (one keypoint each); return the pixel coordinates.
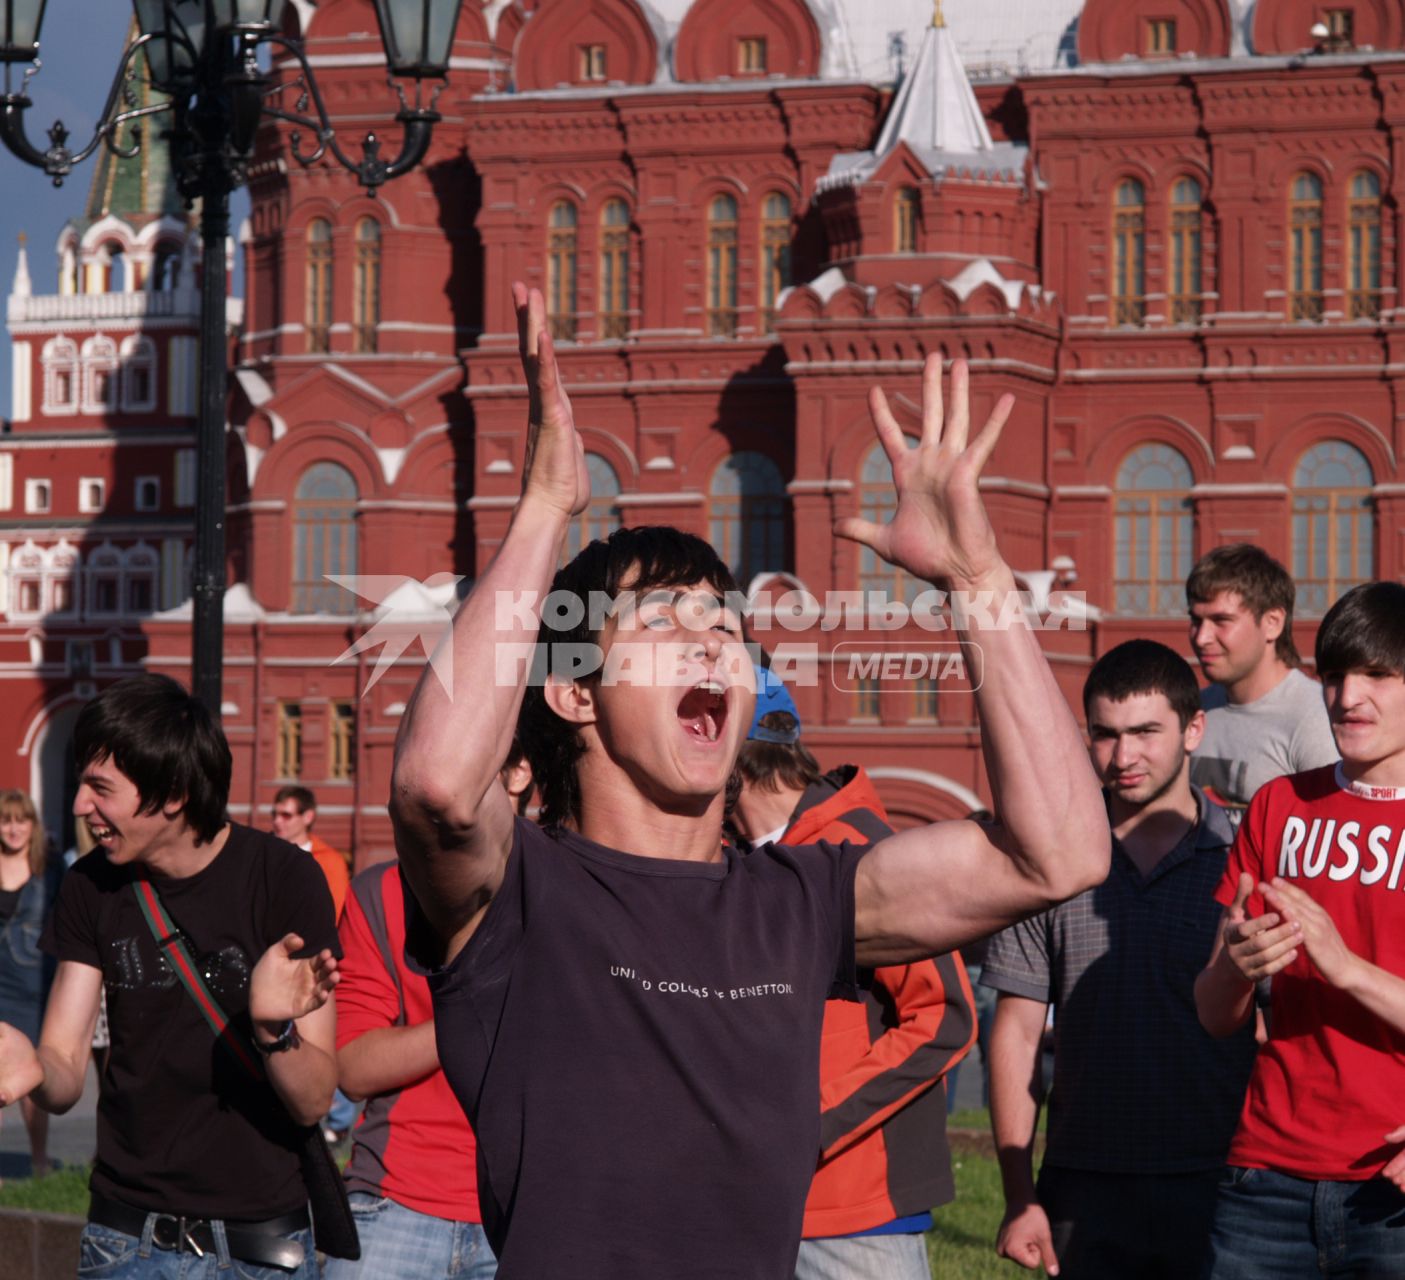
(137, 352)
(100, 356)
(38, 496)
(60, 355)
(26, 567)
(140, 561)
(86, 504)
(62, 563)
(139, 486)
(104, 565)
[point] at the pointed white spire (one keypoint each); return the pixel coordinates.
(21, 288)
(935, 109)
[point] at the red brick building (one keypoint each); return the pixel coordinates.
(1170, 229)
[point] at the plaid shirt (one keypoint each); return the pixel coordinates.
(1139, 1086)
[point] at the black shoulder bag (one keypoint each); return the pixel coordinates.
(332, 1220)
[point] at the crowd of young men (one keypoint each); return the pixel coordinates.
(642, 1025)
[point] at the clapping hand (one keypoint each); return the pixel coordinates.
(283, 987)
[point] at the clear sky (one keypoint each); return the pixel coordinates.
(80, 45)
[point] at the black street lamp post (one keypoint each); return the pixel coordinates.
(203, 56)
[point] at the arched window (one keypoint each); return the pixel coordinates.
(138, 374)
(366, 289)
(1363, 221)
(26, 574)
(614, 269)
(60, 360)
(165, 267)
(561, 271)
(907, 205)
(139, 579)
(775, 254)
(1333, 524)
(601, 516)
(324, 539)
(877, 502)
(722, 267)
(104, 581)
(99, 375)
(1152, 538)
(1185, 252)
(110, 269)
(746, 515)
(318, 316)
(1129, 253)
(62, 580)
(1305, 249)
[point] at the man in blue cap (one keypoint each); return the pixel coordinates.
(883, 1160)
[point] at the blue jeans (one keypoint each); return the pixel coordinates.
(105, 1254)
(1269, 1225)
(896, 1257)
(400, 1243)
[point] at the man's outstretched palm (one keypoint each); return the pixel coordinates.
(940, 531)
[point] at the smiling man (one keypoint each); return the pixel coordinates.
(1144, 1101)
(197, 1166)
(1263, 716)
(1313, 899)
(629, 1010)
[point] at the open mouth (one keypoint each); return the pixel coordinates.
(703, 711)
(100, 832)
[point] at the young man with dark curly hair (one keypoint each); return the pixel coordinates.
(629, 1010)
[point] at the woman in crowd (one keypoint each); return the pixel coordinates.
(27, 885)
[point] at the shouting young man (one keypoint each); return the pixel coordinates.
(629, 1011)
(1313, 899)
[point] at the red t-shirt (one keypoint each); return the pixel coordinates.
(414, 1145)
(1330, 1082)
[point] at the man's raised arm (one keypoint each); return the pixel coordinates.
(928, 890)
(453, 822)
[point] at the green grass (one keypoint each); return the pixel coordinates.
(961, 1244)
(63, 1191)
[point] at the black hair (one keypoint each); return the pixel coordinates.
(166, 742)
(641, 559)
(1364, 631)
(776, 766)
(1144, 666)
(1260, 582)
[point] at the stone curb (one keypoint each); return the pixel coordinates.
(39, 1246)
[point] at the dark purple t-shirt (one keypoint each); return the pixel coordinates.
(636, 1043)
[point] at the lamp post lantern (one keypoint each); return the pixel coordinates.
(202, 55)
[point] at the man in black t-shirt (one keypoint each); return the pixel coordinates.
(197, 1140)
(629, 1011)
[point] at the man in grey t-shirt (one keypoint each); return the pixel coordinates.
(1263, 716)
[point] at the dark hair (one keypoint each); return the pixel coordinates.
(1364, 631)
(300, 796)
(1259, 581)
(1144, 666)
(776, 766)
(165, 741)
(640, 560)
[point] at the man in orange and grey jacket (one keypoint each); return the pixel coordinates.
(883, 1159)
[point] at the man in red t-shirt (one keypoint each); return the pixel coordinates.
(412, 1177)
(1312, 900)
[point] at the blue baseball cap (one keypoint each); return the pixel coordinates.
(772, 695)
